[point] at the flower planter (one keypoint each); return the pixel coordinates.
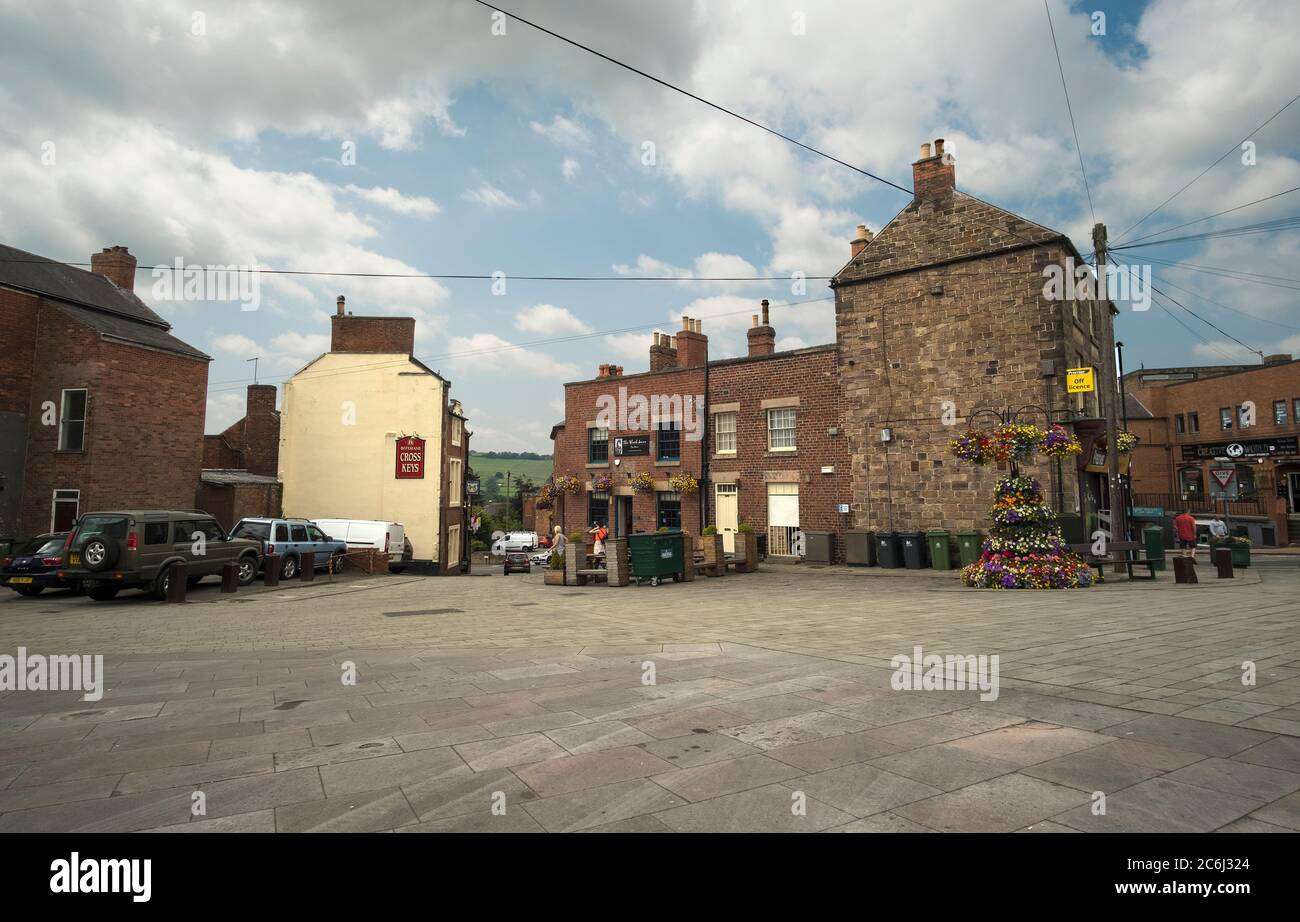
(553, 577)
(1240, 555)
(715, 560)
(746, 552)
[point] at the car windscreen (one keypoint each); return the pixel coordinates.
(257, 531)
(110, 526)
(43, 546)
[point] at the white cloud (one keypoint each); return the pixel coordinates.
(570, 168)
(223, 409)
(490, 196)
(416, 205)
(489, 352)
(547, 318)
(564, 132)
(235, 345)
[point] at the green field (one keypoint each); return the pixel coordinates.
(485, 468)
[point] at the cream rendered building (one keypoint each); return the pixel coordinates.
(341, 418)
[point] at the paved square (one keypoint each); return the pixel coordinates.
(757, 702)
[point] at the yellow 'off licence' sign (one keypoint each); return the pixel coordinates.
(1079, 380)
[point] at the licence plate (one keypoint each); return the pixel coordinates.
(20, 580)
(74, 560)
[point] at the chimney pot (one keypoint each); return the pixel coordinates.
(925, 151)
(339, 302)
(764, 306)
(753, 320)
(938, 147)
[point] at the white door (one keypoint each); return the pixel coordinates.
(727, 515)
(782, 519)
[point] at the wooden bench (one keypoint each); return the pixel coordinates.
(1125, 554)
(728, 562)
(598, 573)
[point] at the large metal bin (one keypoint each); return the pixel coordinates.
(654, 556)
(859, 547)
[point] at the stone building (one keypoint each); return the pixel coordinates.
(943, 314)
(101, 407)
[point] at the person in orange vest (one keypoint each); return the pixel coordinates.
(1185, 528)
(600, 533)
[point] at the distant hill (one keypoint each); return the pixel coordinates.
(536, 469)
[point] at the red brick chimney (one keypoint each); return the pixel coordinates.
(349, 333)
(933, 176)
(859, 243)
(692, 345)
(610, 371)
(663, 352)
(117, 265)
(762, 336)
(261, 436)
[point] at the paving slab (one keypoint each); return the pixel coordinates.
(1160, 805)
(1003, 804)
(570, 773)
(766, 809)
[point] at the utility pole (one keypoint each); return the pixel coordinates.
(1109, 393)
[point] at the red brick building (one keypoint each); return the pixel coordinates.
(760, 434)
(100, 406)
(1240, 417)
(240, 465)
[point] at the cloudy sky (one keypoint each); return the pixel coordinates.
(415, 138)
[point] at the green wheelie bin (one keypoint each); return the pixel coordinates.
(656, 555)
(969, 546)
(940, 554)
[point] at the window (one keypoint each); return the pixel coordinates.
(1193, 422)
(669, 442)
(1295, 410)
(1225, 418)
(1246, 415)
(457, 429)
(155, 532)
(282, 533)
(72, 421)
(315, 534)
(1180, 425)
(453, 545)
(183, 532)
(597, 446)
(669, 510)
(211, 530)
(1279, 412)
(1246, 488)
(780, 429)
(298, 532)
(598, 509)
(64, 509)
(724, 433)
(454, 484)
(254, 531)
(1189, 482)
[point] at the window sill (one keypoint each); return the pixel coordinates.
(724, 456)
(597, 464)
(669, 463)
(69, 451)
(784, 452)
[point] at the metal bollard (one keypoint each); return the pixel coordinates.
(1223, 560)
(229, 577)
(307, 566)
(176, 582)
(271, 570)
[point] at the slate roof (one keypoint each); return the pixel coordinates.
(91, 299)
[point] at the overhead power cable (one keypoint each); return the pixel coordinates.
(1208, 323)
(1217, 214)
(1070, 109)
(1272, 281)
(1244, 230)
(1227, 307)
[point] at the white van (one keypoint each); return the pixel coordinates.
(368, 533)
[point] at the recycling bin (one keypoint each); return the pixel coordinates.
(914, 556)
(656, 555)
(889, 552)
(940, 554)
(859, 548)
(969, 546)
(1153, 538)
(818, 547)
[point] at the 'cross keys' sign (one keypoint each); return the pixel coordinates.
(410, 458)
(1079, 381)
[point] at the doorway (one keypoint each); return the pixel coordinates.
(1293, 493)
(66, 505)
(727, 514)
(622, 516)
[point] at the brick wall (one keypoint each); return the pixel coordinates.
(372, 334)
(144, 429)
(251, 443)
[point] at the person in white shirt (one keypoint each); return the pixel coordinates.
(1218, 530)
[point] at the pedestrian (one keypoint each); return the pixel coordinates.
(599, 532)
(1185, 528)
(558, 542)
(1218, 530)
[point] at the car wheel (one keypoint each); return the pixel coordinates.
(336, 563)
(289, 568)
(247, 570)
(99, 554)
(29, 590)
(103, 593)
(161, 583)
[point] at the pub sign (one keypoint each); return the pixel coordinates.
(410, 458)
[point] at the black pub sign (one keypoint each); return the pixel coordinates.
(1243, 448)
(630, 446)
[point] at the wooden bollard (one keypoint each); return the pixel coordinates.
(1184, 570)
(307, 566)
(229, 577)
(1223, 560)
(271, 570)
(176, 582)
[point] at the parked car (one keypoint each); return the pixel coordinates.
(111, 551)
(371, 533)
(517, 562)
(289, 539)
(34, 567)
(515, 541)
(541, 558)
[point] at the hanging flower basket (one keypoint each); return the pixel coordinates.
(975, 447)
(1126, 442)
(643, 483)
(684, 483)
(1059, 443)
(569, 485)
(602, 483)
(1016, 441)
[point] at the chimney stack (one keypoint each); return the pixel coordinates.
(762, 337)
(859, 243)
(663, 354)
(933, 176)
(339, 302)
(118, 266)
(691, 344)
